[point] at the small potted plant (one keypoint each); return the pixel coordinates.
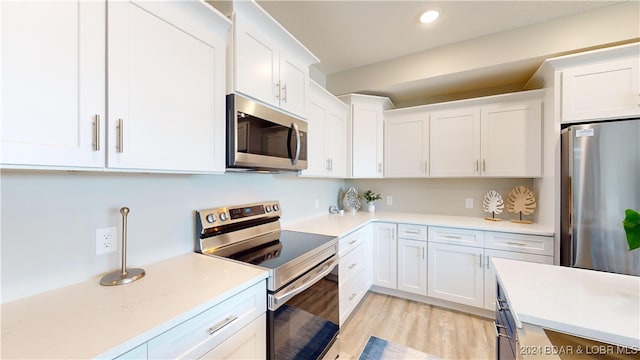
(371, 197)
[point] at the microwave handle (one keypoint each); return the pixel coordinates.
(297, 154)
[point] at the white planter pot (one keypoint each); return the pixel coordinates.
(371, 207)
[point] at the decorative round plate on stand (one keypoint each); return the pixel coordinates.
(351, 200)
(493, 204)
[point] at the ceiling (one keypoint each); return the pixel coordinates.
(346, 35)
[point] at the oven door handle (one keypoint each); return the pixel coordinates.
(280, 299)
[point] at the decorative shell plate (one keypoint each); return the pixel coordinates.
(493, 202)
(351, 200)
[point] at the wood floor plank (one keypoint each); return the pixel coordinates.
(441, 332)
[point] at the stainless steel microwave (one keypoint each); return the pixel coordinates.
(264, 139)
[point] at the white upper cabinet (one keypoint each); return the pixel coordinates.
(511, 139)
(406, 145)
(327, 125)
(53, 84)
(454, 143)
(166, 71)
(267, 63)
(502, 138)
(602, 90)
(366, 135)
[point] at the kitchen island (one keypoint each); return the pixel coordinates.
(586, 304)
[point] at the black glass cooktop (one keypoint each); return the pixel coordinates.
(281, 248)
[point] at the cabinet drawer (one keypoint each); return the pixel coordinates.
(351, 292)
(352, 263)
(530, 244)
(412, 232)
(196, 336)
(456, 236)
(353, 240)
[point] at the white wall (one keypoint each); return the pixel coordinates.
(439, 196)
(48, 219)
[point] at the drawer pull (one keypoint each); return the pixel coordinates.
(412, 231)
(217, 327)
(352, 296)
(452, 237)
(516, 243)
(96, 139)
(352, 266)
(498, 333)
(353, 242)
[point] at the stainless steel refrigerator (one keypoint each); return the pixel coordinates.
(600, 170)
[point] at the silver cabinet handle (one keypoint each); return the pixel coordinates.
(353, 265)
(120, 135)
(412, 232)
(353, 242)
(423, 253)
(476, 168)
(484, 165)
(452, 237)
(284, 91)
(480, 256)
(352, 296)
(379, 167)
(516, 243)
(487, 263)
(498, 333)
(217, 327)
(326, 164)
(96, 139)
(278, 90)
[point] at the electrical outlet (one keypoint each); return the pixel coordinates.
(106, 239)
(468, 203)
(317, 203)
(389, 200)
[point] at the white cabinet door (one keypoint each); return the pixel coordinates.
(166, 83)
(454, 143)
(248, 343)
(367, 137)
(406, 148)
(490, 274)
(456, 273)
(336, 141)
(317, 159)
(327, 128)
(256, 63)
(601, 91)
(511, 139)
(293, 85)
(52, 84)
(412, 266)
(385, 255)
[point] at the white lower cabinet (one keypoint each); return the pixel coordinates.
(248, 343)
(354, 269)
(456, 274)
(232, 329)
(459, 264)
(385, 245)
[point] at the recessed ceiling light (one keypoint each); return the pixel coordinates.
(429, 16)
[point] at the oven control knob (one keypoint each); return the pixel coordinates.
(268, 208)
(211, 218)
(275, 207)
(223, 216)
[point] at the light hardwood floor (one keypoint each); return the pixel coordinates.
(444, 333)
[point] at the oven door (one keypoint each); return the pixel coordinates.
(303, 317)
(262, 138)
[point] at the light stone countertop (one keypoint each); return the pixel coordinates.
(87, 320)
(590, 304)
(341, 225)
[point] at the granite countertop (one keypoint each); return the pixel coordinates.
(87, 320)
(590, 304)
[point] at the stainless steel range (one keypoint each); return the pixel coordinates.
(302, 287)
